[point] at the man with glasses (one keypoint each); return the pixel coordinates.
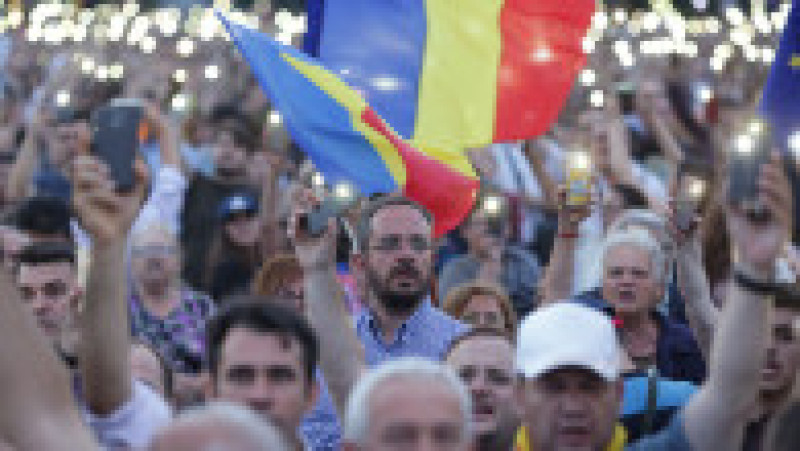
(396, 259)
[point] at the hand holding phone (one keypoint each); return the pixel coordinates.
(579, 178)
(116, 136)
(342, 197)
(750, 151)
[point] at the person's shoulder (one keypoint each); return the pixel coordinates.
(458, 263)
(679, 334)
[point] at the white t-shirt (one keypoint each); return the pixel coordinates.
(134, 424)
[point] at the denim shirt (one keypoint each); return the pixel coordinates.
(320, 428)
(428, 332)
(678, 355)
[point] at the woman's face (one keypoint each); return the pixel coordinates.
(243, 230)
(629, 283)
(484, 311)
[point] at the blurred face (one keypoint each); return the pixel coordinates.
(266, 373)
(230, 159)
(243, 229)
(49, 291)
(479, 236)
(783, 354)
(146, 368)
(68, 141)
(570, 409)
(484, 311)
(409, 415)
(399, 261)
(628, 282)
(155, 259)
(486, 366)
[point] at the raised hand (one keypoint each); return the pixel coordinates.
(105, 213)
(570, 216)
(313, 253)
(759, 243)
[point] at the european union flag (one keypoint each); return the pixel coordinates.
(780, 103)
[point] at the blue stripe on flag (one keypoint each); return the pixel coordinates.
(377, 47)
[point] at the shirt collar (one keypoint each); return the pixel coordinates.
(413, 322)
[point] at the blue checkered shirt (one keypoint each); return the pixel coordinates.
(426, 333)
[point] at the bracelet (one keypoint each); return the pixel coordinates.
(568, 235)
(753, 285)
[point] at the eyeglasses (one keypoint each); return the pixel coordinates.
(392, 243)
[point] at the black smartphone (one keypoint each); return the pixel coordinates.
(627, 103)
(116, 135)
(341, 199)
(749, 152)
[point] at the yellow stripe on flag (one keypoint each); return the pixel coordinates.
(795, 61)
(352, 101)
(458, 84)
(355, 104)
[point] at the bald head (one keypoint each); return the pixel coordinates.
(219, 427)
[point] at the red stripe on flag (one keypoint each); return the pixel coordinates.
(541, 55)
(447, 194)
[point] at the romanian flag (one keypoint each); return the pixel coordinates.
(455, 73)
(347, 140)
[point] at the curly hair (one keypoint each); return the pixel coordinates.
(276, 273)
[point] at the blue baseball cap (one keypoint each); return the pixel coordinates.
(237, 204)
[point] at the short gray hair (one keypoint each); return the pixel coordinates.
(643, 218)
(248, 426)
(356, 421)
(637, 238)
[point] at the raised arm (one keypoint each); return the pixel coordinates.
(19, 179)
(693, 284)
(716, 417)
(38, 412)
(341, 354)
(107, 216)
(558, 277)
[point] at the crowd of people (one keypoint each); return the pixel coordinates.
(196, 311)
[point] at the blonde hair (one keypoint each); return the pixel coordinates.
(459, 297)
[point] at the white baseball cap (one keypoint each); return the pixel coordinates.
(567, 334)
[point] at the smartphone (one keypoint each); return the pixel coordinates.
(117, 132)
(750, 151)
(341, 199)
(579, 178)
(625, 93)
(493, 209)
(692, 190)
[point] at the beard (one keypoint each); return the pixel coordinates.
(398, 302)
